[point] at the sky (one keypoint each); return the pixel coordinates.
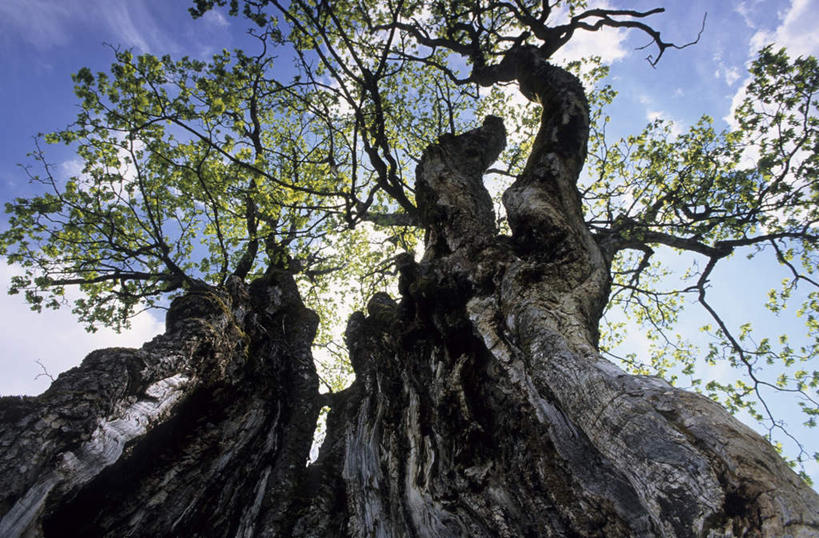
(42, 42)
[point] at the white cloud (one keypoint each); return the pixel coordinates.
(606, 43)
(215, 18)
(796, 32)
(72, 167)
(54, 338)
(118, 17)
(737, 100)
(744, 10)
(729, 74)
(674, 125)
(723, 71)
(654, 115)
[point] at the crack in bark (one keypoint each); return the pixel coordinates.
(480, 406)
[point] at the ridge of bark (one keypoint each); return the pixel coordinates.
(487, 337)
(122, 444)
(480, 407)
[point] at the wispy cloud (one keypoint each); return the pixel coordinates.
(215, 18)
(726, 71)
(45, 24)
(41, 23)
(136, 26)
(744, 10)
(730, 74)
(653, 113)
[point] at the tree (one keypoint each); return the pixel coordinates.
(481, 404)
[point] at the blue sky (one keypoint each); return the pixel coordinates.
(42, 42)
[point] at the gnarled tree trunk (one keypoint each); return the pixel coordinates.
(480, 407)
(203, 431)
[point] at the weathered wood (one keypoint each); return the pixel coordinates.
(203, 431)
(480, 406)
(485, 410)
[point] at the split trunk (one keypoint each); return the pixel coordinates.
(481, 406)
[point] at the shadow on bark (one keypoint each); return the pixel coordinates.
(480, 407)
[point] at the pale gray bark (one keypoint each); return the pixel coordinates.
(480, 407)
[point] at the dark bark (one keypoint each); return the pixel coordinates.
(203, 431)
(480, 407)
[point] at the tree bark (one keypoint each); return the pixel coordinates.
(481, 406)
(203, 431)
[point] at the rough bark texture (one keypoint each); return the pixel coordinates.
(203, 431)
(480, 407)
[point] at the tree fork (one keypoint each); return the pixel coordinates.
(491, 413)
(480, 406)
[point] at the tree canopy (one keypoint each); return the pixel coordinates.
(301, 154)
